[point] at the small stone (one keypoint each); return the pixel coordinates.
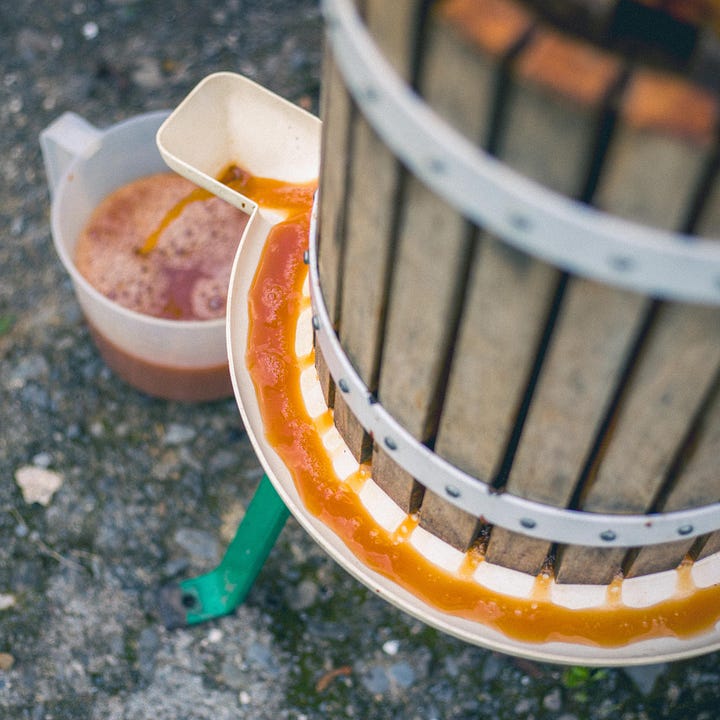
(553, 700)
(376, 680)
(38, 484)
(244, 697)
(148, 73)
(403, 674)
(6, 601)
(177, 434)
(391, 647)
(42, 460)
(199, 544)
(215, 635)
(6, 661)
(90, 30)
(303, 596)
(33, 367)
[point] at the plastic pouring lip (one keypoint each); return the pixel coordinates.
(228, 118)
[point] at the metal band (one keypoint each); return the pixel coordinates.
(467, 492)
(545, 224)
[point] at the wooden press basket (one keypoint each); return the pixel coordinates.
(516, 307)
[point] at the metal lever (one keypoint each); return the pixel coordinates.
(220, 591)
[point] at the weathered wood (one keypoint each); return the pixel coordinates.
(369, 247)
(420, 326)
(663, 397)
(352, 432)
(697, 484)
(711, 546)
(505, 309)
(394, 27)
(467, 43)
(336, 107)
(326, 382)
(664, 140)
(666, 130)
(554, 120)
(372, 200)
(466, 48)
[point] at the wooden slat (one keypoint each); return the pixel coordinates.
(505, 309)
(665, 140)
(675, 372)
(336, 107)
(553, 125)
(657, 158)
(712, 546)
(424, 297)
(371, 201)
(467, 45)
(394, 27)
(697, 484)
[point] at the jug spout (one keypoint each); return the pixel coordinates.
(66, 138)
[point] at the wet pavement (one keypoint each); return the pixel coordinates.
(144, 491)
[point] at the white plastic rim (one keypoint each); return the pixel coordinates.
(512, 582)
(84, 165)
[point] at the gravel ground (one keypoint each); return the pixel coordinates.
(149, 491)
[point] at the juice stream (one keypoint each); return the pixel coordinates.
(275, 301)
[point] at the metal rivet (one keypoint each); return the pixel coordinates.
(343, 385)
(520, 222)
(390, 443)
(528, 523)
(316, 322)
(452, 491)
(685, 529)
(607, 535)
(437, 166)
(189, 601)
(370, 94)
(621, 263)
(306, 257)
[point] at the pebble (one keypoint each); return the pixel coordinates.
(32, 367)
(148, 74)
(553, 700)
(6, 601)
(38, 485)
(177, 434)
(402, 673)
(6, 661)
(261, 656)
(215, 635)
(303, 595)
(198, 543)
(42, 460)
(90, 30)
(391, 647)
(376, 680)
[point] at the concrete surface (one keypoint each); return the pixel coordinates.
(149, 491)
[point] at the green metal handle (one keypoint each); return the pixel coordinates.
(220, 591)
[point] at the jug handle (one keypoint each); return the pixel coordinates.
(66, 138)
